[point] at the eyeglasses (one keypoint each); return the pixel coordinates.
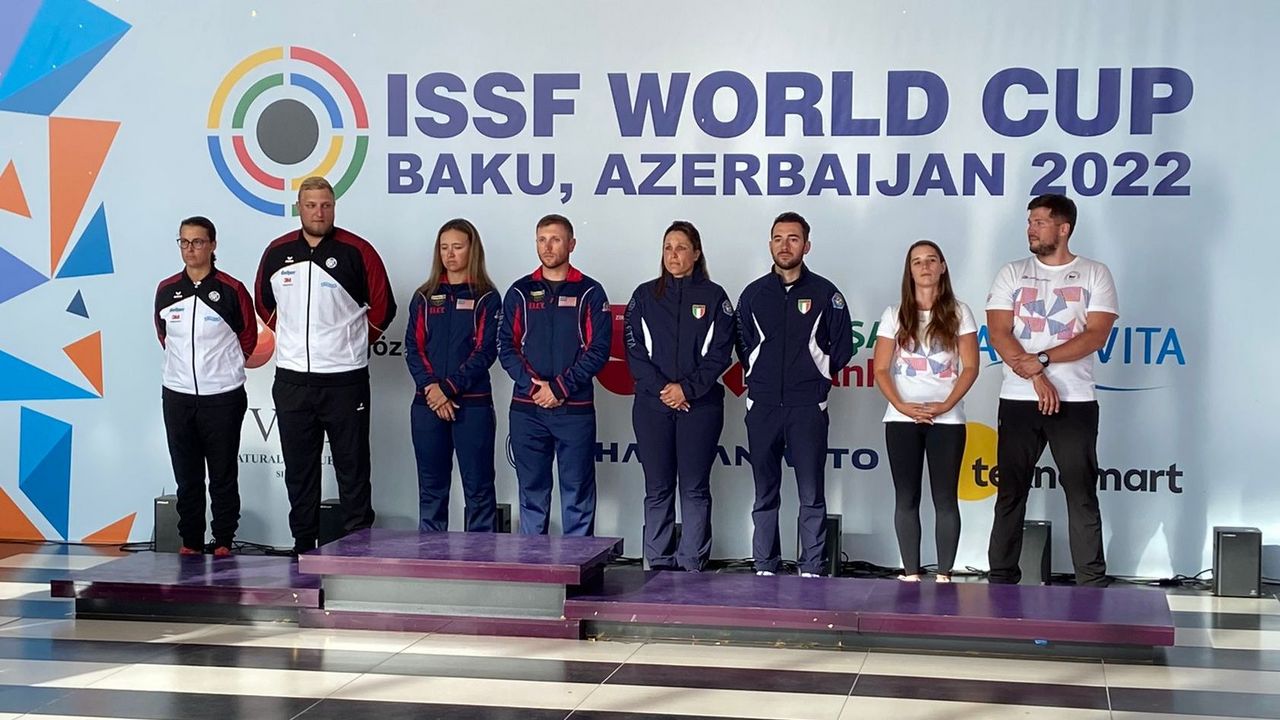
(198, 243)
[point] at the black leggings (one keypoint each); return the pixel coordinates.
(908, 443)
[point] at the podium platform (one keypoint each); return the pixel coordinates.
(863, 612)
(552, 586)
(193, 587)
(467, 583)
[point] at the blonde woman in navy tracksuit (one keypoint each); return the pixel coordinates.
(679, 339)
(450, 344)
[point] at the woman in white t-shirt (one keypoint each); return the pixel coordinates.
(926, 360)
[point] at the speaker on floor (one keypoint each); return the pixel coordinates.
(166, 524)
(1036, 562)
(330, 521)
(1237, 561)
(832, 552)
(503, 521)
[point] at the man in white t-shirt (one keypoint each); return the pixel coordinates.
(1047, 315)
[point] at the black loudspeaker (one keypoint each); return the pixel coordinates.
(330, 521)
(1237, 561)
(1036, 561)
(166, 524)
(502, 523)
(832, 553)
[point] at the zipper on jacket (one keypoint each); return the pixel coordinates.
(195, 378)
(782, 369)
(679, 320)
(307, 333)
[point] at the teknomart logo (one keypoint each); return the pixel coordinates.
(280, 116)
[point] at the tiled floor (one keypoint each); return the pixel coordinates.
(1226, 665)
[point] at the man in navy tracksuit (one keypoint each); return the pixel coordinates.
(553, 339)
(326, 294)
(793, 336)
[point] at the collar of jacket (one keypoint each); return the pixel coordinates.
(574, 275)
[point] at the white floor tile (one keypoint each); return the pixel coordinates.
(54, 673)
(120, 630)
(24, 590)
(739, 656)
(1209, 603)
(225, 681)
(55, 562)
(700, 701)
(290, 636)
(964, 667)
(466, 691)
(528, 648)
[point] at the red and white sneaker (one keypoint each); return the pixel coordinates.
(184, 550)
(222, 551)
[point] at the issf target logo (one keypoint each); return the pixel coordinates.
(280, 116)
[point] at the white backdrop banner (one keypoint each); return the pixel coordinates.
(882, 123)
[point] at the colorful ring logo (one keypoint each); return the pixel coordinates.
(276, 127)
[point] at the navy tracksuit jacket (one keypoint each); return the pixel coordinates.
(561, 334)
(452, 341)
(685, 335)
(791, 341)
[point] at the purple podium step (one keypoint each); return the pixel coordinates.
(451, 624)
(147, 577)
(496, 557)
(1114, 616)
(723, 599)
(1107, 616)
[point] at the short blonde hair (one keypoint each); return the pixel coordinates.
(315, 182)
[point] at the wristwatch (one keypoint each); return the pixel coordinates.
(1043, 358)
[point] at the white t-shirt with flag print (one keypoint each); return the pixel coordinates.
(928, 372)
(1050, 305)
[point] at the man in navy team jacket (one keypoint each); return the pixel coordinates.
(793, 336)
(553, 339)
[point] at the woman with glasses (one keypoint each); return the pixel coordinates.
(679, 331)
(450, 344)
(205, 321)
(926, 359)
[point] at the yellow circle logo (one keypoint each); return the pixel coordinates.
(979, 459)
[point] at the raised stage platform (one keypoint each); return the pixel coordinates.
(200, 587)
(498, 584)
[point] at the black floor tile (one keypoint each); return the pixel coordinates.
(334, 709)
(733, 679)
(497, 668)
(1196, 702)
(981, 691)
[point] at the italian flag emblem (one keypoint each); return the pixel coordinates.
(803, 305)
(699, 311)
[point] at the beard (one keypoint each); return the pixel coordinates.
(791, 264)
(1044, 248)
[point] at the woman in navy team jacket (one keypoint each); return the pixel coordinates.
(450, 344)
(679, 330)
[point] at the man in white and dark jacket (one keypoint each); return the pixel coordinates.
(325, 292)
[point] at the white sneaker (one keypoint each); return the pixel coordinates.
(808, 574)
(764, 573)
(909, 578)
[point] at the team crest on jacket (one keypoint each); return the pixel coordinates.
(437, 300)
(699, 311)
(727, 307)
(331, 263)
(537, 294)
(215, 296)
(837, 301)
(803, 305)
